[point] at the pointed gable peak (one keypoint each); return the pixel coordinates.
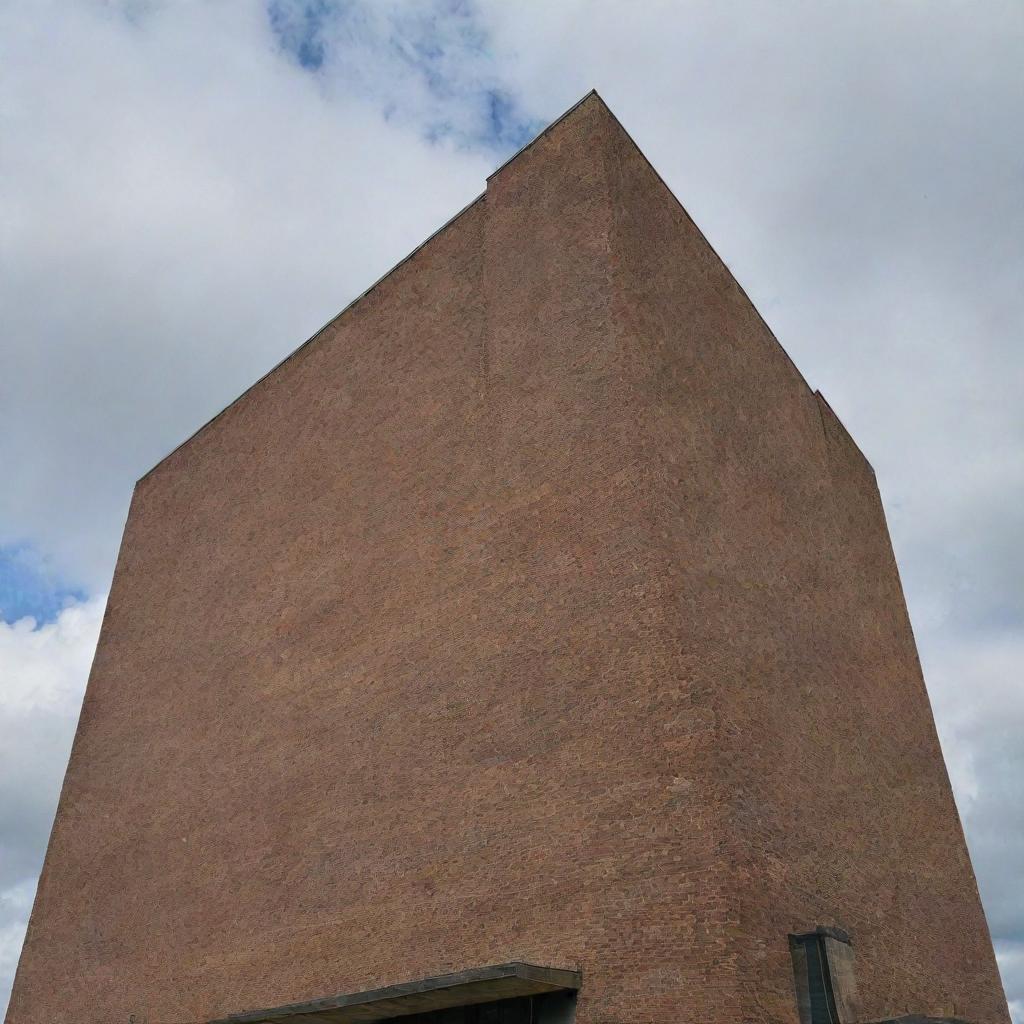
(592, 120)
(578, 110)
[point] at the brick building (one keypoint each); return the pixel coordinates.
(527, 646)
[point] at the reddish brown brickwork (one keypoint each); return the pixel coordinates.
(536, 610)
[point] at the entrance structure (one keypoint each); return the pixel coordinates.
(528, 644)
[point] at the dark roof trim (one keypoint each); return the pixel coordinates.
(448, 223)
(309, 341)
(686, 213)
(362, 295)
(476, 985)
(540, 135)
(914, 1018)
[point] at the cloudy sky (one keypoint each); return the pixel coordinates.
(189, 188)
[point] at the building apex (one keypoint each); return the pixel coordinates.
(566, 115)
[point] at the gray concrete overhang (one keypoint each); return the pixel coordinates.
(914, 1018)
(477, 985)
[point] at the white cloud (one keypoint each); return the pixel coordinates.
(1011, 964)
(181, 206)
(979, 706)
(43, 671)
(15, 906)
(431, 65)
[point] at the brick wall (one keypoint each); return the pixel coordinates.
(536, 610)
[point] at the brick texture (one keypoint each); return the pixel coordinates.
(535, 610)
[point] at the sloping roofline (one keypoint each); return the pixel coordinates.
(448, 223)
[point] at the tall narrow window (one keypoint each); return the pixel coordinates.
(819, 982)
(823, 971)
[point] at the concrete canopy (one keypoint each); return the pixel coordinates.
(478, 985)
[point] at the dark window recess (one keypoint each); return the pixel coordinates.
(819, 982)
(552, 1008)
(826, 985)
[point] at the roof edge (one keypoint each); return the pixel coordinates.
(593, 93)
(540, 135)
(362, 295)
(704, 238)
(812, 391)
(313, 337)
(823, 401)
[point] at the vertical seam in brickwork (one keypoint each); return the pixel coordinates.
(484, 363)
(616, 171)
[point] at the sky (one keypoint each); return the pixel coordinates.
(190, 188)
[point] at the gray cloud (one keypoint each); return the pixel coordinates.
(431, 65)
(184, 199)
(182, 206)
(42, 679)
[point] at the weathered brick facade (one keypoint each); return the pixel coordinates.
(535, 610)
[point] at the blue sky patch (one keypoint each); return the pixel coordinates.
(508, 127)
(29, 586)
(299, 29)
(431, 65)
